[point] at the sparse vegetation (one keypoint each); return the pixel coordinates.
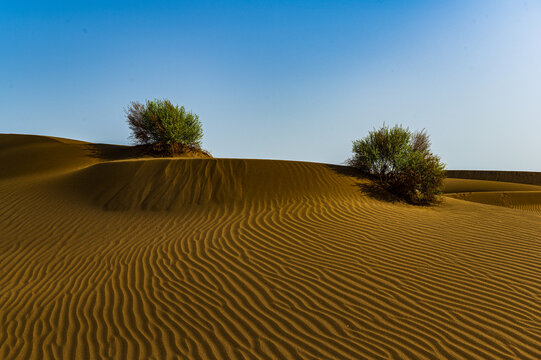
(402, 163)
(166, 128)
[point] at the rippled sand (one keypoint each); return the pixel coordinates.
(106, 256)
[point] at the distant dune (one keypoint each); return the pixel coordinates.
(107, 255)
(509, 194)
(522, 177)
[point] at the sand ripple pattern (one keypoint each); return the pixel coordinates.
(512, 195)
(291, 262)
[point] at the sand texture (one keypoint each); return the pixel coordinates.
(512, 195)
(107, 256)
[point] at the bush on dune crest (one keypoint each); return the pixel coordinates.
(402, 163)
(167, 128)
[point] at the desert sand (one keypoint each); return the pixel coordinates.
(104, 255)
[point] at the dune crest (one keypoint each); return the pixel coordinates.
(170, 184)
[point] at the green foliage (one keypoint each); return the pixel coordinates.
(402, 162)
(164, 125)
(419, 179)
(381, 152)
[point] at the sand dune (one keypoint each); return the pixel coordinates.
(525, 200)
(512, 195)
(104, 256)
(522, 177)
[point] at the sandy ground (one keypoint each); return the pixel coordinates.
(105, 256)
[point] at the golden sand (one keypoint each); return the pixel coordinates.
(105, 256)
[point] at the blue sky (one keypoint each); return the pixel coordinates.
(294, 80)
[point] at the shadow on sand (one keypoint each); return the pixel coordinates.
(107, 152)
(367, 184)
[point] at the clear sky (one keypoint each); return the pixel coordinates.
(295, 80)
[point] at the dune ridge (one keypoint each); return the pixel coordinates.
(252, 259)
(165, 184)
(524, 200)
(508, 194)
(522, 177)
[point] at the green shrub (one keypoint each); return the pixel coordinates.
(402, 163)
(381, 152)
(168, 128)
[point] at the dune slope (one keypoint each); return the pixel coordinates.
(498, 193)
(104, 258)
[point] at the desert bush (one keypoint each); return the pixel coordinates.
(164, 126)
(381, 151)
(401, 162)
